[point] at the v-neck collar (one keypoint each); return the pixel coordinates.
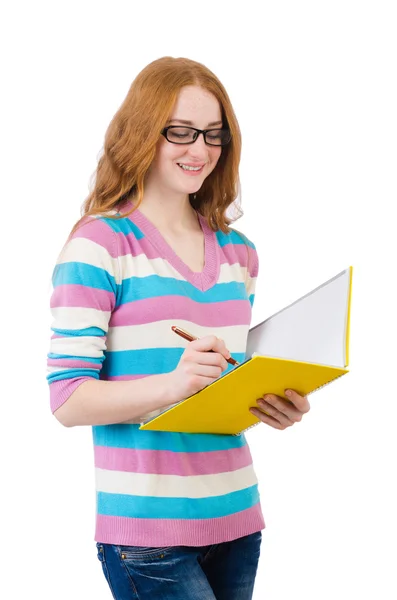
(203, 280)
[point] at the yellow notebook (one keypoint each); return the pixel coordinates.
(303, 347)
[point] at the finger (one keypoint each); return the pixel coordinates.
(207, 370)
(220, 347)
(282, 406)
(301, 402)
(208, 358)
(267, 419)
(278, 415)
(211, 342)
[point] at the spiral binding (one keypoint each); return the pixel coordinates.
(308, 393)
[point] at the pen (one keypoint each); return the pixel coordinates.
(190, 338)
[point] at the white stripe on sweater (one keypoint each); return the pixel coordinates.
(76, 317)
(89, 252)
(174, 486)
(87, 346)
(160, 335)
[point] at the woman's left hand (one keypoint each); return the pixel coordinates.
(279, 412)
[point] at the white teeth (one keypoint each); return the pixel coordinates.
(187, 168)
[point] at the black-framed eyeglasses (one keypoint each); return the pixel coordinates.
(188, 135)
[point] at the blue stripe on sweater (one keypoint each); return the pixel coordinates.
(72, 374)
(77, 273)
(125, 226)
(150, 361)
(154, 285)
(150, 507)
(140, 288)
(61, 357)
(233, 238)
(88, 331)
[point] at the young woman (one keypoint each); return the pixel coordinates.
(178, 515)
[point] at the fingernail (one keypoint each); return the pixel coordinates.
(288, 393)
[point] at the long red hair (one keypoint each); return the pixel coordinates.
(131, 138)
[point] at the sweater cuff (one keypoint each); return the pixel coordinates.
(61, 390)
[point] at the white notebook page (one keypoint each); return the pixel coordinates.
(312, 329)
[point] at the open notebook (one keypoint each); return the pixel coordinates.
(303, 347)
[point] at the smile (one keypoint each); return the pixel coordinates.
(190, 168)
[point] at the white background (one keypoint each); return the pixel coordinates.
(313, 84)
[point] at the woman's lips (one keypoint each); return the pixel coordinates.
(191, 172)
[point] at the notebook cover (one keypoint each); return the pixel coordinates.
(223, 406)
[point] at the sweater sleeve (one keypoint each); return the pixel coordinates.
(85, 285)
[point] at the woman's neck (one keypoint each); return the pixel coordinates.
(170, 214)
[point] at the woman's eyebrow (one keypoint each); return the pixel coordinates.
(191, 122)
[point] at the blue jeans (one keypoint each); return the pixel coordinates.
(219, 572)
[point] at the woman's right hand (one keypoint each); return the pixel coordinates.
(198, 367)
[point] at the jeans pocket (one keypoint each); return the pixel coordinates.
(143, 552)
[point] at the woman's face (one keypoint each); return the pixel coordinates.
(194, 107)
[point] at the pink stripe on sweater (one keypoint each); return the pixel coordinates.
(165, 462)
(214, 314)
(72, 295)
(61, 390)
(99, 232)
(253, 262)
(128, 244)
(72, 363)
(117, 244)
(233, 253)
(178, 532)
(58, 337)
(120, 245)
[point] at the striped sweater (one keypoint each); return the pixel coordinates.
(118, 288)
